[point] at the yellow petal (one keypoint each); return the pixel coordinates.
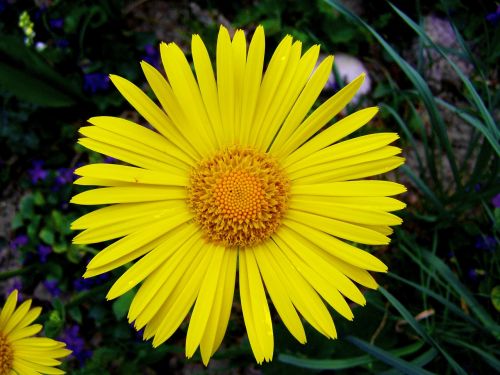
(304, 297)
(279, 295)
(123, 212)
(137, 239)
(154, 259)
(325, 286)
(330, 135)
(239, 47)
(17, 317)
(188, 97)
(8, 309)
(344, 150)
(132, 174)
(251, 83)
(207, 84)
(297, 78)
(255, 309)
(130, 134)
(109, 195)
(155, 293)
(348, 214)
(354, 172)
(306, 99)
(282, 82)
(350, 189)
(338, 228)
(205, 302)
(337, 248)
(334, 165)
(180, 301)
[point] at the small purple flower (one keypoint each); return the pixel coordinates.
(64, 176)
(37, 173)
(75, 343)
(56, 23)
(16, 284)
(19, 241)
(82, 284)
(43, 252)
(152, 56)
(487, 243)
(494, 17)
(109, 160)
(52, 288)
(95, 82)
(496, 201)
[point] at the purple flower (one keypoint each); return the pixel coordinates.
(19, 241)
(56, 23)
(95, 82)
(82, 284)
(64, 176)
(152, 56)
(494, 17)
(108, 159)
(496, 201)
(488, 243)
(75, 343)
(52, 288)
(16, 284)
(43, 252)
(37, 173)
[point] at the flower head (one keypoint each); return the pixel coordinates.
(95, 82)
(43, 252)
(76, 343)
(238, 176)
(20, 352)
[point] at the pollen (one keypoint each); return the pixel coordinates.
(6, 356)
(239, 196)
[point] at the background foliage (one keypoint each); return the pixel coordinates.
(438, 308)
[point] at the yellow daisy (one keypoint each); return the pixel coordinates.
(20, 353)
(237, 175)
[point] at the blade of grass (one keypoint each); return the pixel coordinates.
(475, 99)
(463, 292)
(386, 357)
(344, 363)
(451, 306)
(420, 184)
(417, 80)
(404, 129)
(492, 139)
(418, 328)
(487, 357)
(420, 361)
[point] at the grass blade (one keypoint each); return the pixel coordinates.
(386, 357)
(417, 80)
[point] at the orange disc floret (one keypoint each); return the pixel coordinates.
(238, 196)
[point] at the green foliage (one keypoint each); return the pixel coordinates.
(437, 311)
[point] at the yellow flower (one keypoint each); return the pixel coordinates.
(238, 176)
(20, 353)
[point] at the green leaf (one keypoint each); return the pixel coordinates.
(28, 87)
(418, 82)
(343, 363)
(47, 236)
(54, 325)
(122, 304)
(418, 328)
(26, 206)
(495, 297)
(387, 357)
(462, 291)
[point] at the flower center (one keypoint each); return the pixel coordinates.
(6, 356)
(238, 196)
